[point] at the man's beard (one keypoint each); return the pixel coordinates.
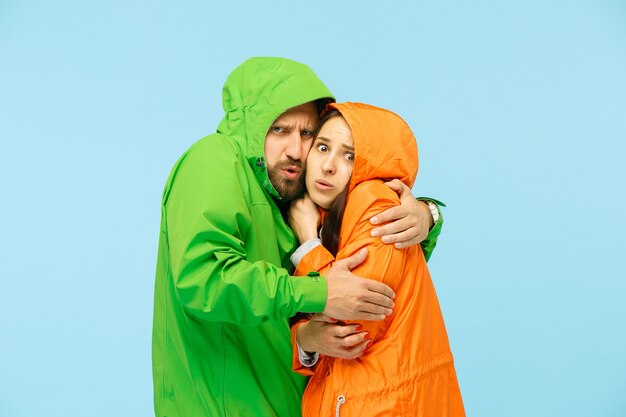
(287, 188)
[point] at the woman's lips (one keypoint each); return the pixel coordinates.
(323, 185)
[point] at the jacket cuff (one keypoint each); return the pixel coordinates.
(428, 244)
(316, 259)
(309, 293)
(303, 249)
(295, 357)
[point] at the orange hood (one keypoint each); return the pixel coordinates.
(385, 147)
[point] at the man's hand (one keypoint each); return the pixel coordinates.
(410, 221)
(325, 335)
(353, 298)
(304, 218)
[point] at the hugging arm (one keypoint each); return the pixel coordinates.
(206, 215)
(411, 222)
(384, 263)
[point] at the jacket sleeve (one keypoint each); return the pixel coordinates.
(295, 357)
(384, 262)
(207, 217)
(428, 244)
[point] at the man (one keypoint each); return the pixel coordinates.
(221, 342)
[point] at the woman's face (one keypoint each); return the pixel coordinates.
(330, 162)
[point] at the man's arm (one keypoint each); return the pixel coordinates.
(348, 341)
(207, 216)
(411, 222)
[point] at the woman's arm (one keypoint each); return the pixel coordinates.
(384, 262)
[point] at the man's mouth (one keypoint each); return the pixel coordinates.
(291, 172)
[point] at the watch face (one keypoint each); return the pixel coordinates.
(433, 211)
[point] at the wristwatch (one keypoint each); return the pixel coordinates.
(433, 210)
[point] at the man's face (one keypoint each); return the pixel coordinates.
(286, 146)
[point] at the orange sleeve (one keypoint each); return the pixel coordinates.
(295, 359)
(318, 259)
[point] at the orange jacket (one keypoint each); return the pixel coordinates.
(408, 370)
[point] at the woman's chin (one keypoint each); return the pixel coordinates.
(322, 202)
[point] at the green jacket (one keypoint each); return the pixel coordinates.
(220, 334)
(223, 294)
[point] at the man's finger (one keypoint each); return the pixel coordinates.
(323, 317)
(414, 241)
(369, 316)
(402, 236)
(392, 213)
(354, 260)
(395, 184)
(399, 225)
(376, 309)
(380, 288)
(378, 299)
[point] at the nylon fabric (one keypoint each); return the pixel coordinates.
(409, 368)
(223, 292)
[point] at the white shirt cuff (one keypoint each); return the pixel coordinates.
(303, 249)
(307, 359)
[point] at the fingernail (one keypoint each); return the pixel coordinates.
(374, 220)
(359, 328)
(382, 317)
(375, 233)
(389, 311)
(386, 239)
(367, 336)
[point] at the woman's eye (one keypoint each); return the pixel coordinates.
(350, 156)
(322, 148)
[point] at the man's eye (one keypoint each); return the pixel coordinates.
(307, 133)
(277, 129)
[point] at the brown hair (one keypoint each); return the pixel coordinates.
(332, 223)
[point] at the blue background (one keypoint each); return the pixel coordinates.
(520, 114)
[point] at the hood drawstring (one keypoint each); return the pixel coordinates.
(340, 400)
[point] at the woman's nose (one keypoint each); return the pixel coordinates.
(328, 166)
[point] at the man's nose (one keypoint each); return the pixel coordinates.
(294, 147)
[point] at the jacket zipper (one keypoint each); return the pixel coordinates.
(340, 400)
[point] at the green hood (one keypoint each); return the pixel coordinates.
(255, 94)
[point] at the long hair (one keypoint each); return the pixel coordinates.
(332, 224)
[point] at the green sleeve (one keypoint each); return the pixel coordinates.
(428, 244)
(207, 219)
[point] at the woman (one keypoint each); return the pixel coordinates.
(408, 367)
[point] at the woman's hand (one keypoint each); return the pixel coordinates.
(329, 337)
(409, 222)
(304, 218)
